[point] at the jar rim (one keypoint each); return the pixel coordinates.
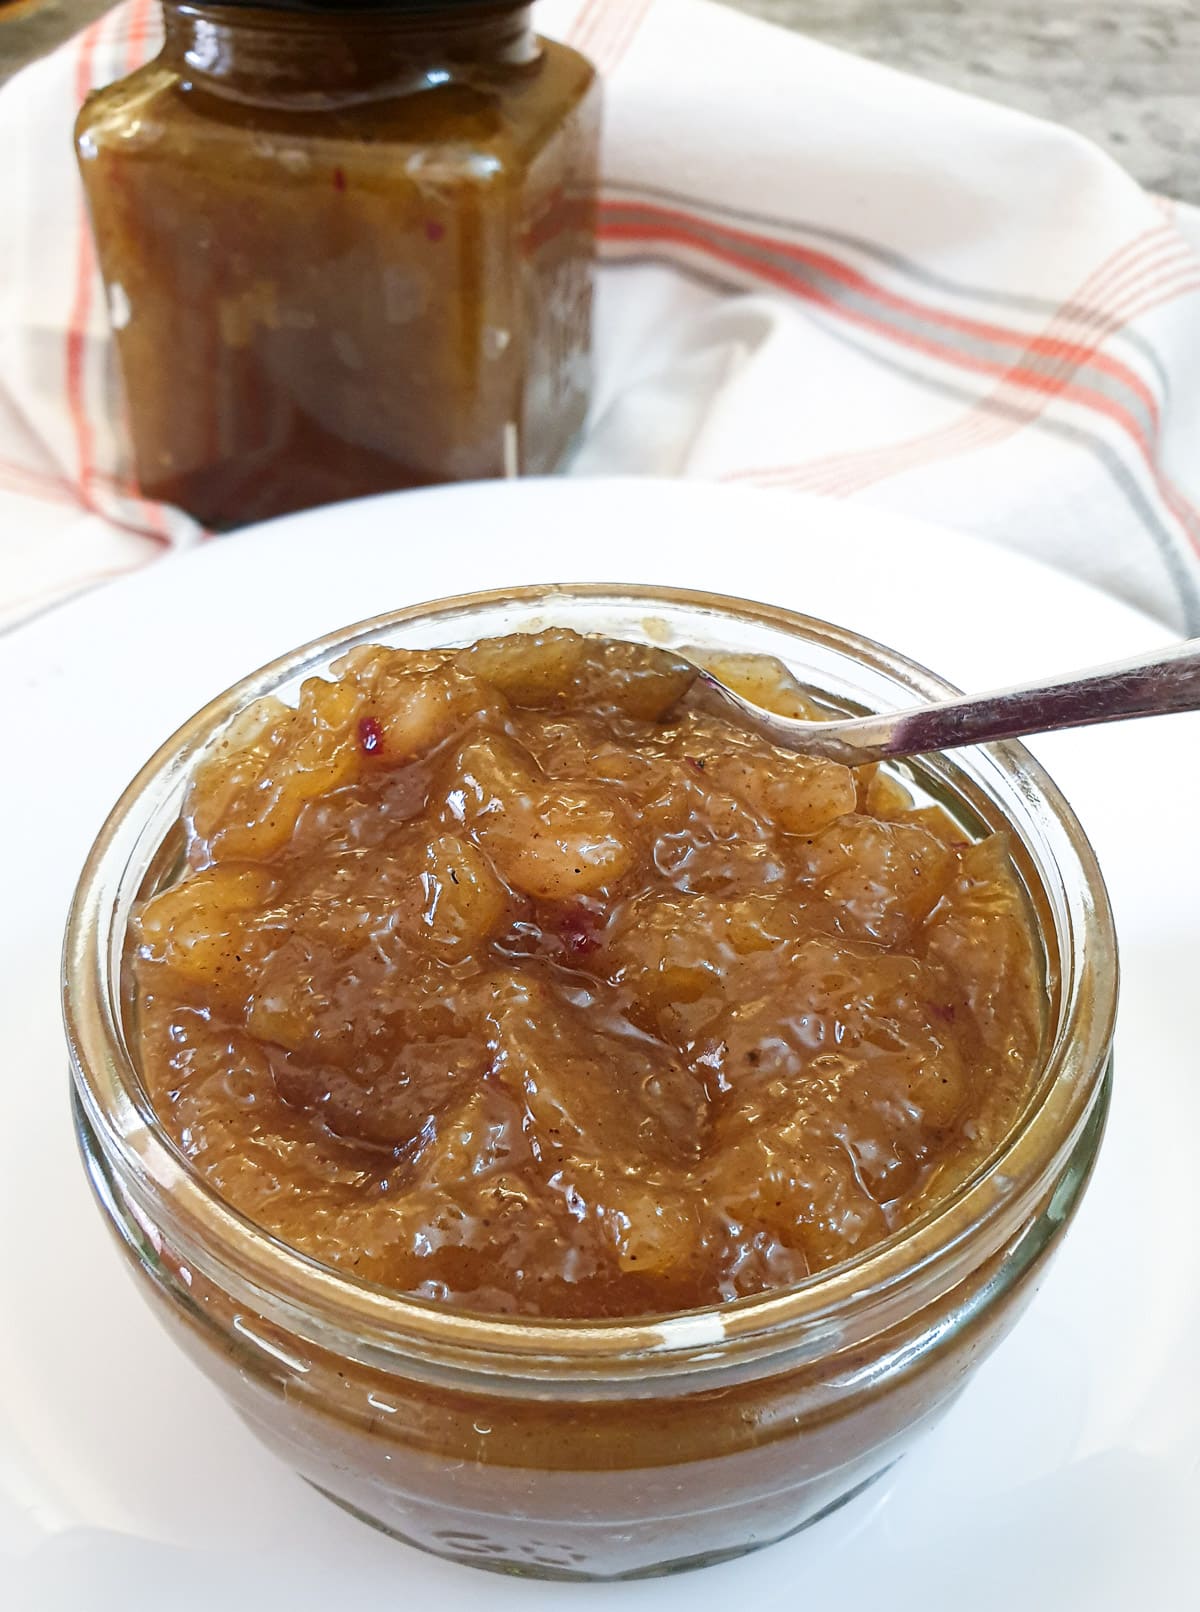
(375, 1323)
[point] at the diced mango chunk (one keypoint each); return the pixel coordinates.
(530, 669)
(197, 928)
(464, 901)
(551, 840)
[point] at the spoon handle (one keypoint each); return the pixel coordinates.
(1149, 685)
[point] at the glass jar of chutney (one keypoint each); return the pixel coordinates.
(614, 1447)
(347, 249)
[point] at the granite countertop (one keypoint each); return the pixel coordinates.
(1127, 76)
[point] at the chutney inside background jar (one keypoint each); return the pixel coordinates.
(347, 250)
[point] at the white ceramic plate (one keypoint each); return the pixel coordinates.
(1066, 1477)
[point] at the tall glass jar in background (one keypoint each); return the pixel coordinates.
(346, 248)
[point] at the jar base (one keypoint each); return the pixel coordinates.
(581, 1575)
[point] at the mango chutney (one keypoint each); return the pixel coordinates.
(516, 978)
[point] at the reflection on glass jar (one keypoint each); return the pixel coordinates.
(609, 1448)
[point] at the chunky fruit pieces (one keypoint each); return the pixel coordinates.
(512, 977)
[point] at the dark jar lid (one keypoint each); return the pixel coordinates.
(350, 8)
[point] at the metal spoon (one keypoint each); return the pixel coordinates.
(1150, 685)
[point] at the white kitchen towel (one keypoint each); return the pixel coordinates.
(817, 273)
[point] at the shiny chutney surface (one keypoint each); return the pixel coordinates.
(513, 977)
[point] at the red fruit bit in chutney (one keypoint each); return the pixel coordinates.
(339, 179)
(577, 931)
(433, 230)
(370, 736)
